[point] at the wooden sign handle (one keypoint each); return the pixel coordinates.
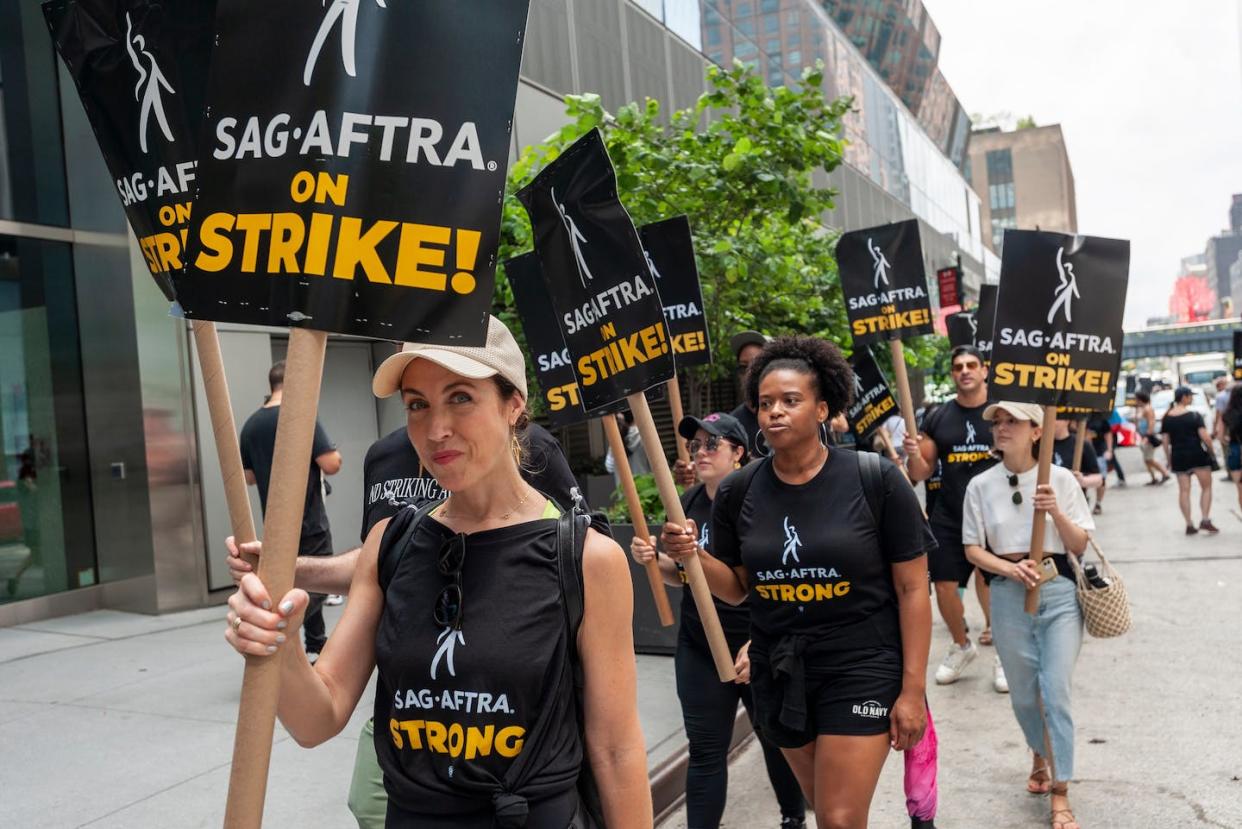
(1037, 525)
(674, 403)
(613, 433)
(694, 568)
(903, 387)
(282, 531)
(1079, 439)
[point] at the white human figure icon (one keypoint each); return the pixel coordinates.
(858, 387)
(974, 327)
(880, 262)
(347, 12)
(792, 543)
(1068, 286)
(150, 82)
(448, 640)
(970, 432)
(576, 239)
(651, 265)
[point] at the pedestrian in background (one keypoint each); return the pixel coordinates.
(1038, 651)
(717, 446)
(258, 447)
(634, 451)
(1149, 438)
(1231, 420)
(1188, 450)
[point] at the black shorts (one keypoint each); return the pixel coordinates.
(948, 561)
(851, 700)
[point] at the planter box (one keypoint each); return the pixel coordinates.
(649, 636)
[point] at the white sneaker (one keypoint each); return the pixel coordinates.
(999, 683)
(955, 661)
(333, 600)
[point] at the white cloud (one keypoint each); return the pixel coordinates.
(1149, 96)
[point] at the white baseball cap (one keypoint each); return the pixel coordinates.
(1021, 411)
(500, 354)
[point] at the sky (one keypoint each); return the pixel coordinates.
(1149, 97)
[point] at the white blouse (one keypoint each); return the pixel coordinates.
(991, 519)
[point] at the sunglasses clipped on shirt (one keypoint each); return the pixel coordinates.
(1017, 495)
(449, 562)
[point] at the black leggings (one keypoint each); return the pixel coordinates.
(708, 707)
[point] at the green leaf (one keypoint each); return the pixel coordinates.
(730, 162)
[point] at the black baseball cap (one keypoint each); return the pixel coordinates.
(744, 338)
(717, 423)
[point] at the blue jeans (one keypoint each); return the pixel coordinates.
(1038, 654)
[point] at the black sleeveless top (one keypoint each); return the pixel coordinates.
(470, 723)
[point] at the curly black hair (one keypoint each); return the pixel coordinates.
(832, 377)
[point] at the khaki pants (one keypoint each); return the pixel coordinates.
(368, 799)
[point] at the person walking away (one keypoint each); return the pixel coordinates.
(1149, 438)
(955, 440)
(1187, 449)
(634, 450)
(717, 445)
(1232, 421)
(468, 594)
(1100, 433)
(258, 446)
(840, 617)
(1038, 651)
(1219, 432)
(1063, 454)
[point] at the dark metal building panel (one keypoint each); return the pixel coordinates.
(601, 68)
(546, 57)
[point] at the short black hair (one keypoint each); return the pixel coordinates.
(276, 375)
(1142, 396)
(968, 350)
(830, 372)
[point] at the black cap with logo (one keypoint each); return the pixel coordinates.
(717, 423)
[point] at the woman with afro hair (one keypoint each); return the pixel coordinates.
(830, 551)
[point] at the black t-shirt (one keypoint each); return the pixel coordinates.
(819, 564)
(750, 425)
(1183, 432)
(391, 475)
(734, 620)
(1099, 427)
(964, 448)
(1233, 424)
(1063, 455)
(258, 444)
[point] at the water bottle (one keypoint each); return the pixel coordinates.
(1094, 579)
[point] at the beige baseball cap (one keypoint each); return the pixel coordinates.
(499, 355)
(1021, 411)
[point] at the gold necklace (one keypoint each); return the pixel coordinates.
(444, 513)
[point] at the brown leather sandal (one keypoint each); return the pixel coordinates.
(1039, 781)
(1063, 818)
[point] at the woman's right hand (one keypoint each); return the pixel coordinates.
(255, 628)
(642, 551)
(680, 543)
(1025, 571)
(238, 566)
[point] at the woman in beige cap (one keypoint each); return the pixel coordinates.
(1038, 652)
(463, 608)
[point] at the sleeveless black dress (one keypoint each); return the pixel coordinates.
(478, 726)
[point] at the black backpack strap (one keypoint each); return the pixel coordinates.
(872, 475)
(736, 493)
(397, 537)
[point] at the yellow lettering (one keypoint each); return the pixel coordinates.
(413, 255)
(479, 743)
(217, 249)
(354, 248)
(509, 741)
(288, 233)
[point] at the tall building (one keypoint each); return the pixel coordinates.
(1024, 179)
(1221, 254)
(110, 494)
(1235, 213)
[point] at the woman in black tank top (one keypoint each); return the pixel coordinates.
(461, 609)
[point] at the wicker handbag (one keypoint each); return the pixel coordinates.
(1106, 610)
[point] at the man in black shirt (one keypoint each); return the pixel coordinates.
(746, 345)
(956, 439)
(1088, 472)
(258, 444)
(1100, 432)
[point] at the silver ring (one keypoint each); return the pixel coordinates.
(236, 623)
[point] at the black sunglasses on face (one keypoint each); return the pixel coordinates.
(449, 562)
(711, 444)
(1017, 496)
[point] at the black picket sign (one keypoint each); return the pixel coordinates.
(606, 301)
(670, 257)
(872, 402)
(1237, 355)
(353, 166)
(985, 320)
(961, 327)
(140, 67)
(1059, 320)
(884, 282)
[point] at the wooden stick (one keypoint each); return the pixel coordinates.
(674, 403)
(1037, 525)
(1080, 438)
(228, 453)
(282, 531)
(694, 568)
(886, 441)
(622, 461)
(903, 386)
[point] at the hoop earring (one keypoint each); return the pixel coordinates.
(515, 447)
(823, 433)
(761, 445)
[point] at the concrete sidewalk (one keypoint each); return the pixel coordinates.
(112, 719)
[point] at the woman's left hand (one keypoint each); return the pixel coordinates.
(907, 721)
(1046, 499)
(742, 665)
